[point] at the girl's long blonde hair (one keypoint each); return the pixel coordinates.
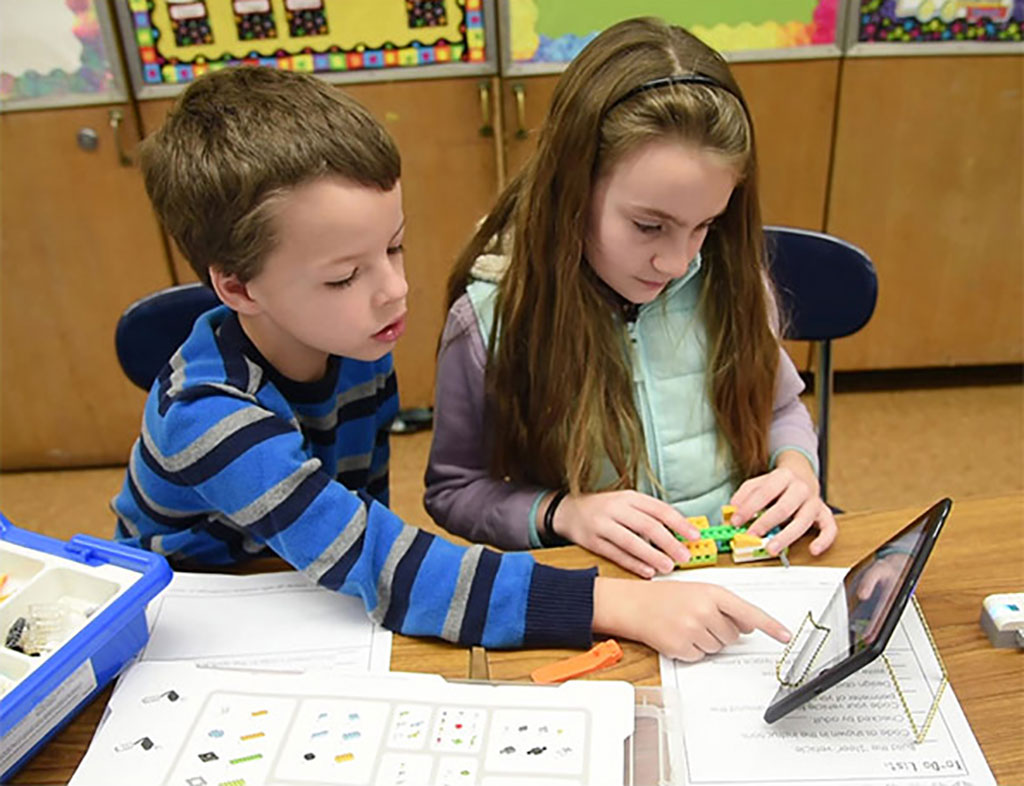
(559, 383)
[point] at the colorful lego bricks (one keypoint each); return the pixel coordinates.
(725, 538)
(702, 552)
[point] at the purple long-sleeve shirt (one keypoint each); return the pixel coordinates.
(463, 496)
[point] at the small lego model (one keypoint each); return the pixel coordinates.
(725, 538)
(702, 552)
(749, 548)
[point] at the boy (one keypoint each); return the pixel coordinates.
(268, 427)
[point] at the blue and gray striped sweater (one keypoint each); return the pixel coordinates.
(235, 459)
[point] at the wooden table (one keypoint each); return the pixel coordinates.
(980, 552)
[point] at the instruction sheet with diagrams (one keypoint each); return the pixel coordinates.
(856, 733)
(266, 621)
(176, 723)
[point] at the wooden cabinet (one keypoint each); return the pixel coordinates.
(449, 179)
(792, 103)
(79, 243)
(929, 168)
(525, 102)
(918, 160)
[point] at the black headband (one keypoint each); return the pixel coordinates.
(677, 79)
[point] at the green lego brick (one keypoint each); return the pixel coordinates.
(723, 535)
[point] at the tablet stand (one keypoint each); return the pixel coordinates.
(797, 672)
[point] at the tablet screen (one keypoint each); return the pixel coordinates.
(861, 613)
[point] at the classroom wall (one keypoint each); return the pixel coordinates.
(915, 159)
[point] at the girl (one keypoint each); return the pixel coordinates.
(611, 359)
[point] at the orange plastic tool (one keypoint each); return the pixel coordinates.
(597, 657)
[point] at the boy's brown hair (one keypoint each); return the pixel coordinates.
(238, 140)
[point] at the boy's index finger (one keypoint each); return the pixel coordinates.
(747, 615)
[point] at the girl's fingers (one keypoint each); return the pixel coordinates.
(665, 514)
(829, 529)
(638, 548)
(653, 530)
(782, 509)
(762, 491)
(802, 521)
(739, 499)
(624, 560)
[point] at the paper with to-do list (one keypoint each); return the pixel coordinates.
(856, 733)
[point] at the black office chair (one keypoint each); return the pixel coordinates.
(828, 289)
(151, 329)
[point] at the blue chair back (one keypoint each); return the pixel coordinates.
(827, 286)
(150, 330)
(827, 289)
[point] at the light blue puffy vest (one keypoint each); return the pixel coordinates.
(669, 358)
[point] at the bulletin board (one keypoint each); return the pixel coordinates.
(940, 21)
(541, 36)
(176, 41)
(57, 53)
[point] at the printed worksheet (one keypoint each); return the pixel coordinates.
(266, 621)
(179, 724)
(856, 733)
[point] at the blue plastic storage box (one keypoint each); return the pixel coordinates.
(99, 591)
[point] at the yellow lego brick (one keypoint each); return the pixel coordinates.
(742, 539)
(702, 552)
(727, 511)
(700, 522)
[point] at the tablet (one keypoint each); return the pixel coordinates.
(861, 616)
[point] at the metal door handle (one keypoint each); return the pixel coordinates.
(116, 118)
(486, 128)
(519, 91)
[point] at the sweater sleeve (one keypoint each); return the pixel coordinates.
(461, 494)
(378, 481)
(249, 466)
(792, 428)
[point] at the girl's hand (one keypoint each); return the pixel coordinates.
(789, 490)
(681, 619)
(627, 527)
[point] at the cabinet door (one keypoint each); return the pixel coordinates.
(151, 116)
(79, 244)
(928, 180)
(449, 180)
(525, 102)
(791, 102)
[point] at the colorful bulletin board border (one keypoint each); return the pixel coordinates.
(179, 40)
(554, 31)
(930, 21)
(77, 31)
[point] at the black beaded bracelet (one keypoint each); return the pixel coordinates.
(548, 537)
